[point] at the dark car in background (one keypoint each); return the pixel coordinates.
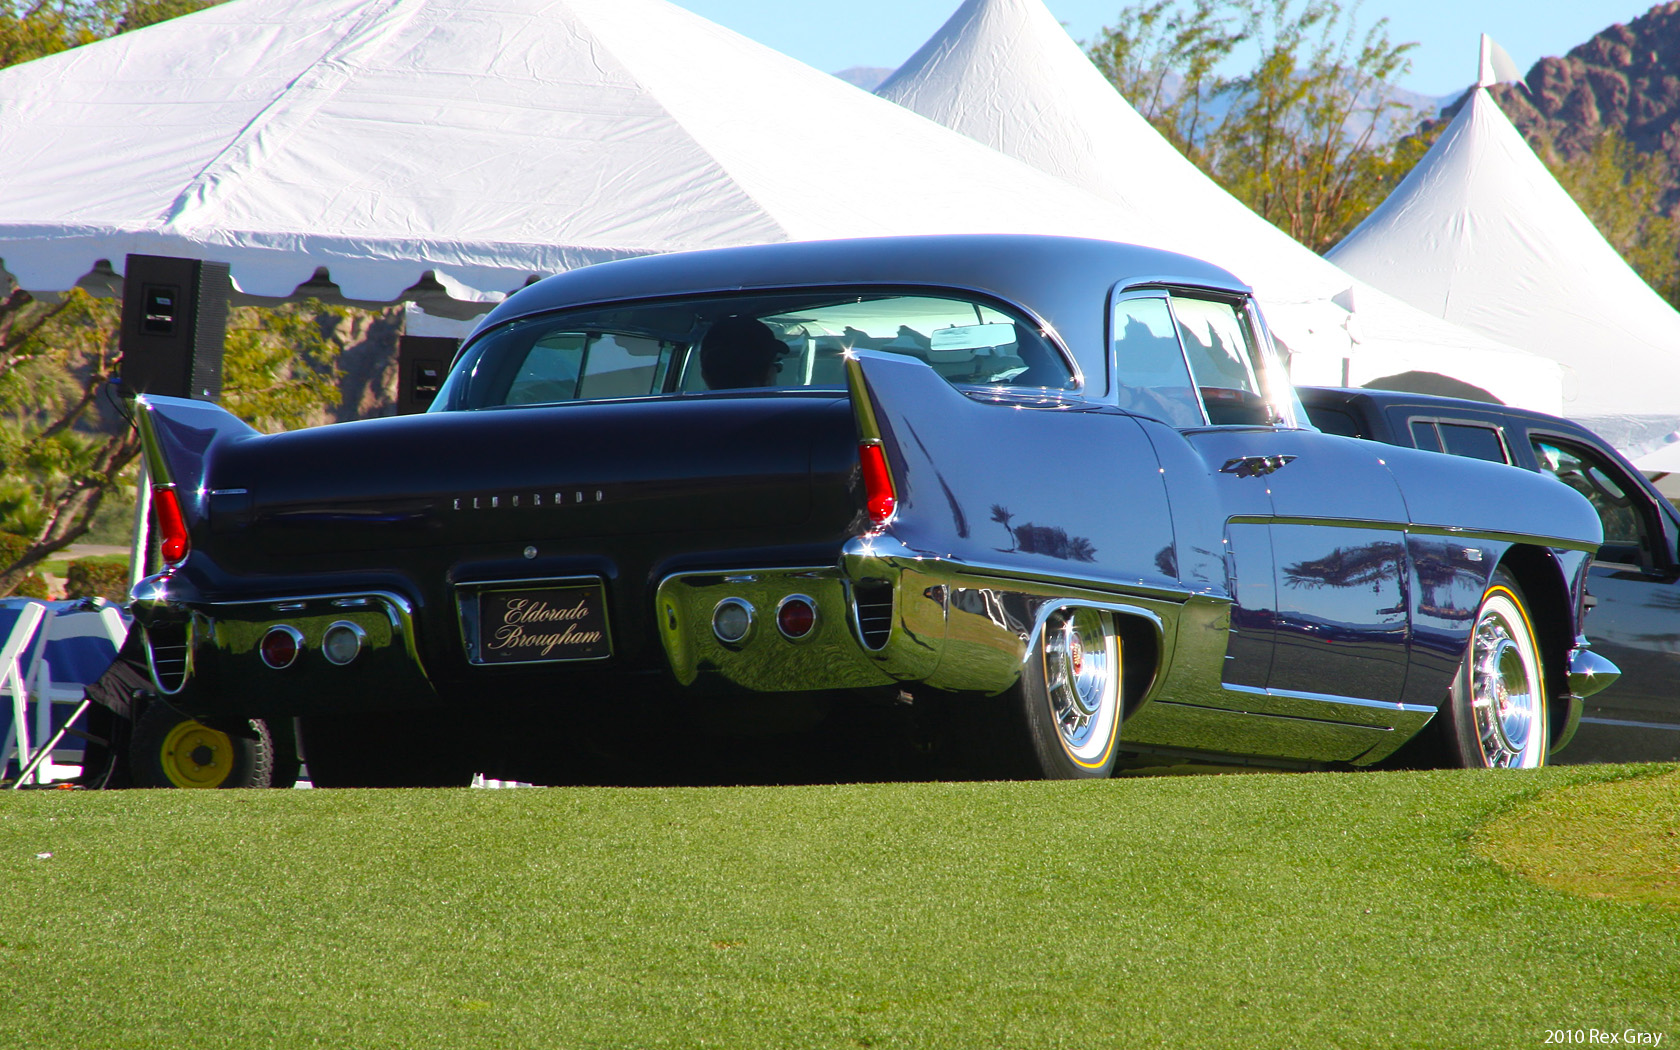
(1052, 493)
(1634, 582)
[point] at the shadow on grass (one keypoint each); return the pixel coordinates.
(1616, 840)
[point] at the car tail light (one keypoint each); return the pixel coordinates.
(732, 621)
(879, 497)
(342, 642)
(279, 648)
(796, 616)
(173, 528)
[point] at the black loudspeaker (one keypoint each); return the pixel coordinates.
(174, 322)
(422, 363)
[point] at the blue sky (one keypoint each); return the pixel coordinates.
(836, 34)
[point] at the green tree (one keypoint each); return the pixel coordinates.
(1307, 137)
(65, 447)
(1621, 189)
(281, 364)
(32, 29)
(64, 450)
(1165, 61)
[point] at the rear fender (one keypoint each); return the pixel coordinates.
(1052, 486)
(176, 436)
(1041, 501)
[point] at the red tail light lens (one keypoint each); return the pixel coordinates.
(280, 646)
(796, 617)
(171, 526)
(879, 498)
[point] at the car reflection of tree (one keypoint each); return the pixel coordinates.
(1049, 540)
(985, 602)
(1166, 561)
(1372, 566)
(1447, 589)
(1439, 580)
(1366, 566)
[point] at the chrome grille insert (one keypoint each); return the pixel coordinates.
(166, 656)
(872, 600)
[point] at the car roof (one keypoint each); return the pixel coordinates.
(1061, 281)
(1448, 406)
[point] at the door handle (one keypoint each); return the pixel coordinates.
(1255, 466)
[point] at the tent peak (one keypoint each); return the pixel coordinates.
(1496, 66)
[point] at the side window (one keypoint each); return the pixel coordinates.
(550, 370)
(1217, 346)
(622, 366)
(1425, 436)
(1464, 439)
(1587, 473)
(1471, 440)
(566, 366)
(1154, 379)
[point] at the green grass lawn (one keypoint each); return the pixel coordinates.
(1297, 910)
(58, 566)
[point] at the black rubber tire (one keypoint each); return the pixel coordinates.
(1503, 651)
(1067, 702)
(170, 750)
(383, 751)
(287, 763)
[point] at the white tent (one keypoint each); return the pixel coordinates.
(382, 139)
(1481, 234)
(1006, 73)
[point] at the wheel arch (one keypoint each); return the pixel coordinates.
(1139, 634)
(1140, 660)
(1545, 587)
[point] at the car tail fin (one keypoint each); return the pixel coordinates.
(879, 489)
(176, 436)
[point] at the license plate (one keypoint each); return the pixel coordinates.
(539, 624)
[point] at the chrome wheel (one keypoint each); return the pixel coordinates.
(1507, 685)
(1081, 682)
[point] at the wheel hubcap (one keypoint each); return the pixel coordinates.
(195, 756)
(1505, 690)
(1080, 676)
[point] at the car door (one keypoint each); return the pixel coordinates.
(1635, 620)
(1313, 525)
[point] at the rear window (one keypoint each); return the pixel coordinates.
(789, 341)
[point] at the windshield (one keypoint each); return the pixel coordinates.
(789, 340)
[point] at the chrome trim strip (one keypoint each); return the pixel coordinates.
(1285, 718)
(1413, 528)
(392, 597)
(1586, 721)
(1526, 538)
(398, 610)
(883, 546)
(526, 581)
(1332, 698)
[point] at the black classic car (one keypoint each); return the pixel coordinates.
(1634, 583)
(1053, 492)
